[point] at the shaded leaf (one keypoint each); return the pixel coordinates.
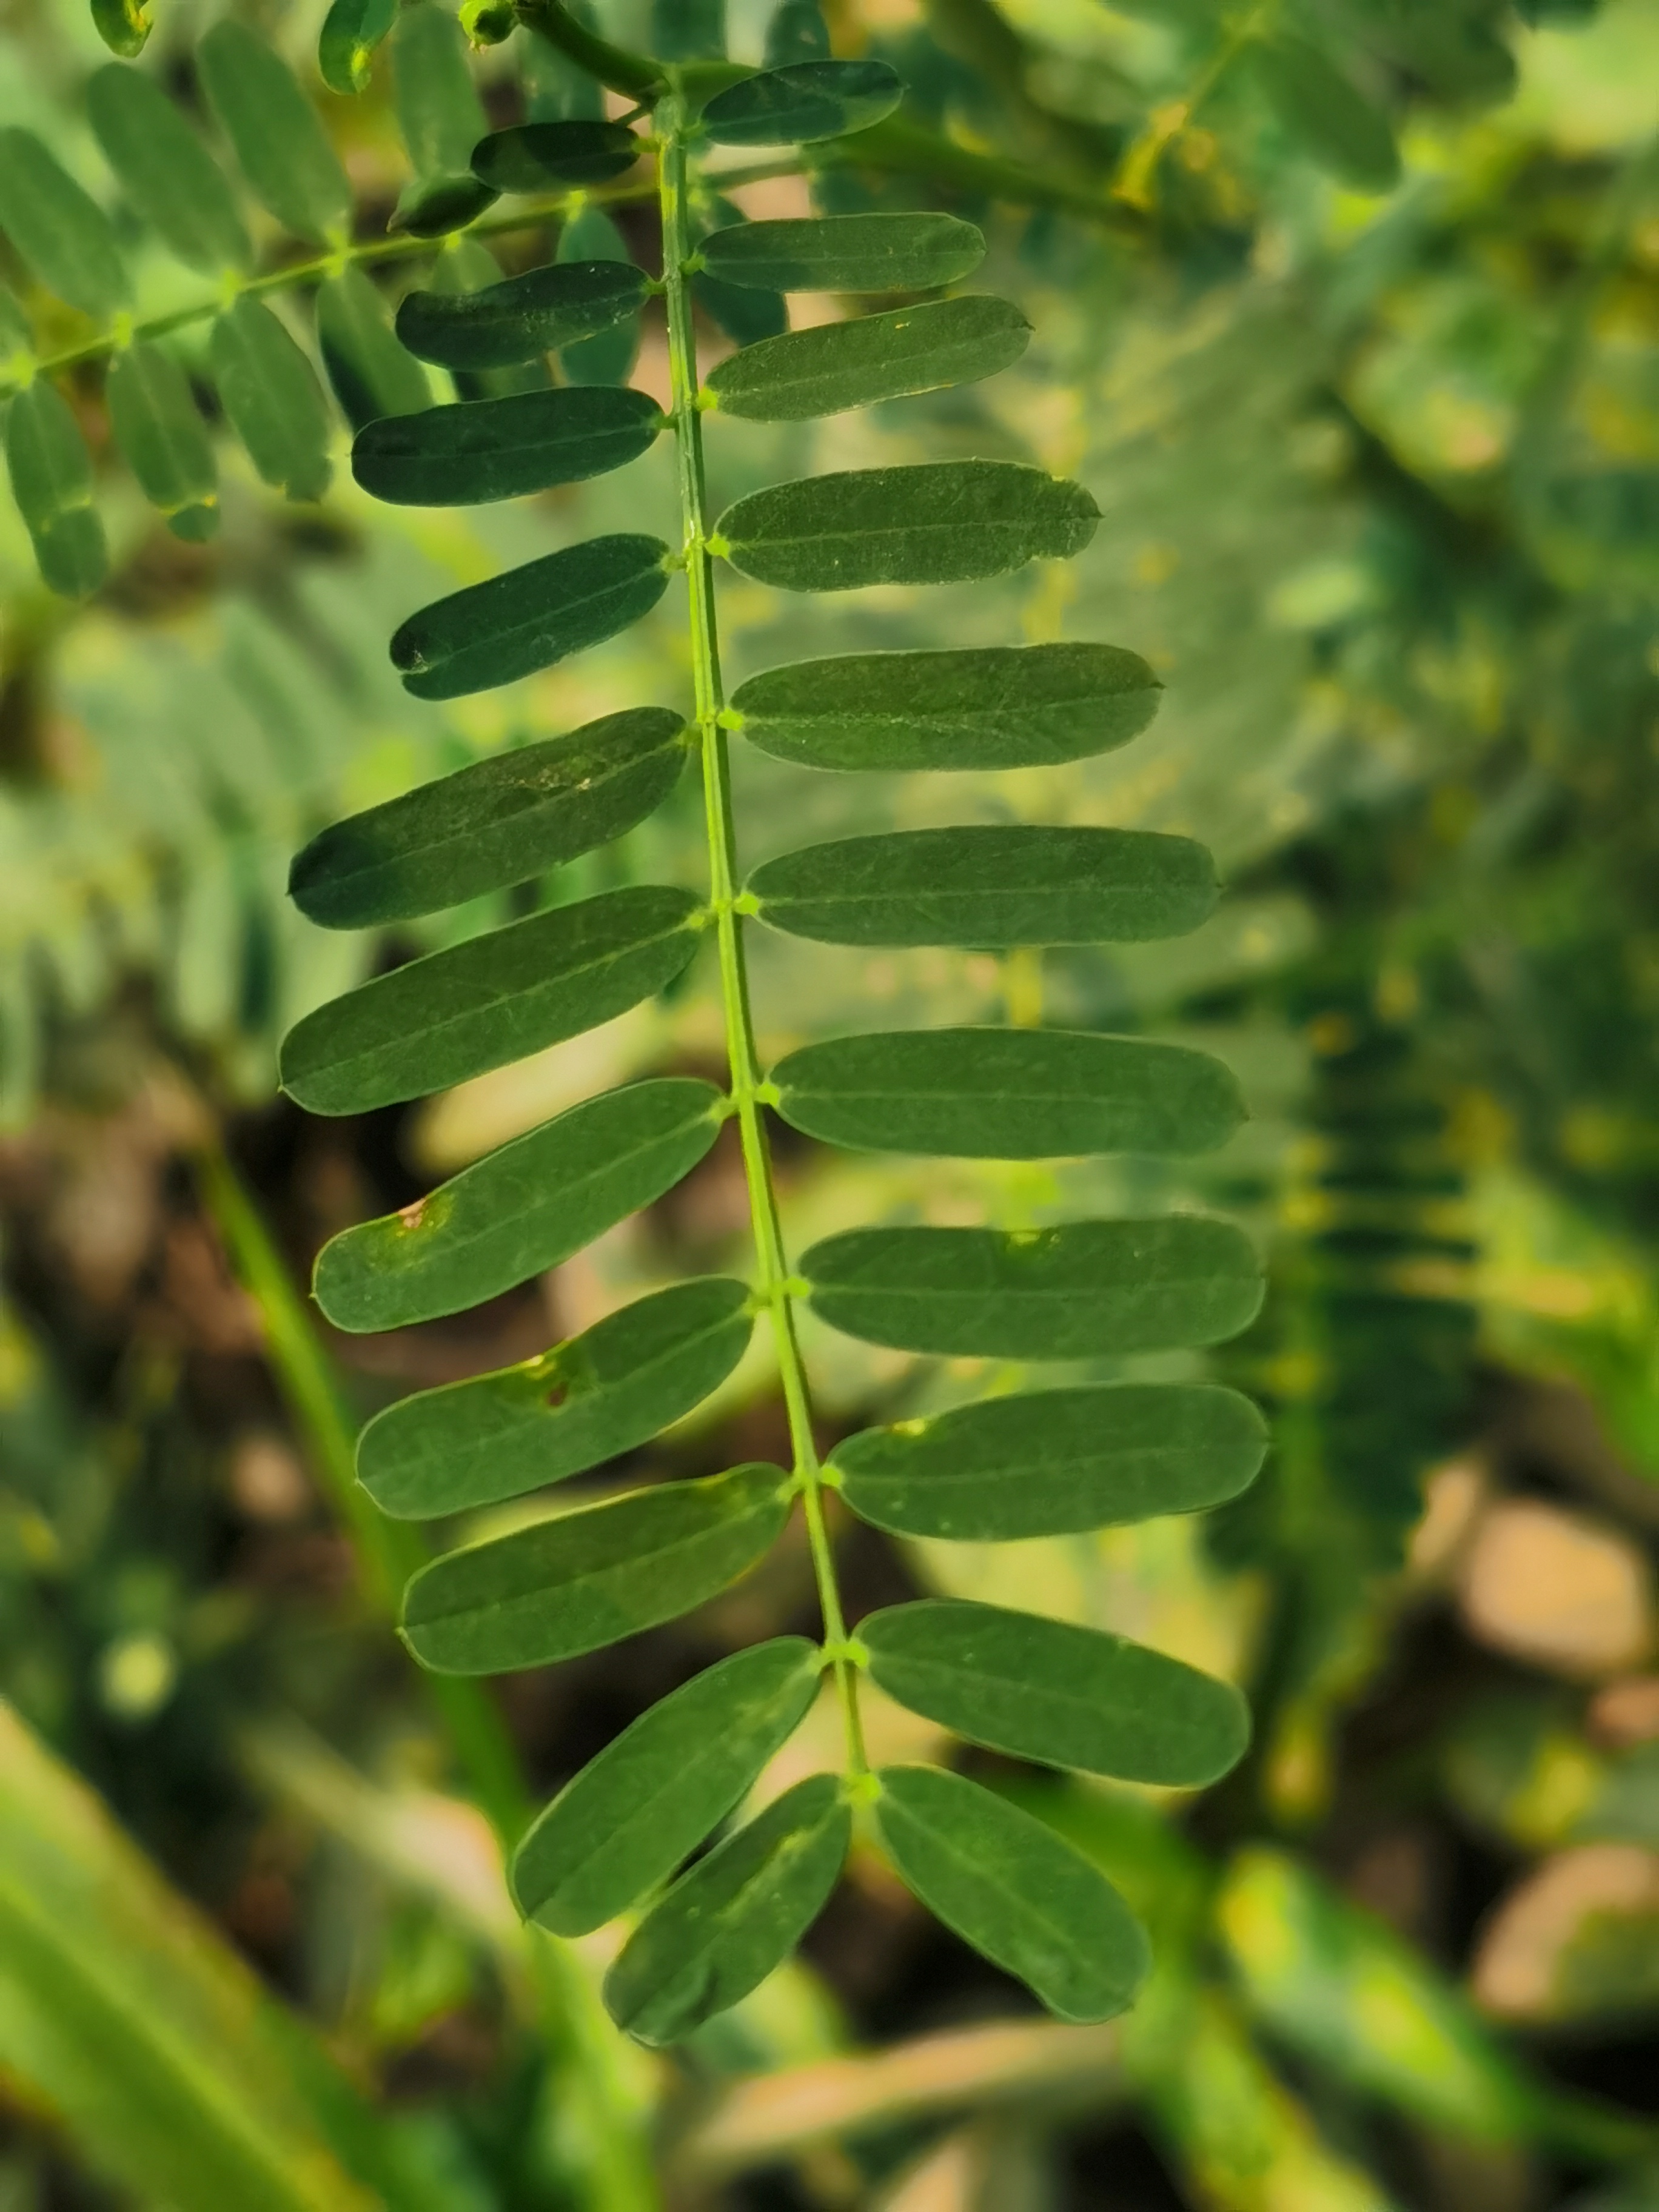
(746, 313)
(165, 172)
(986, 707)
(164, 439)
(59, 230)
(653, 1794)
(738, 1914)
(1053, 1463)
(521, 317)
(123, 26)
(1008, 1093)
(986, 885)
(591, 1578)
(432, 207)
(493, 998)
(278, 138)
(271, 393)
(934, 522)
(440, 118)
(520, 1210)
(835, 366)
(1321, 112)
(372, 373)
(492, 824)
(51, 472)
(845, 252)
(352, 30)
(531, 156)
(487, 449)
(1047, 1690)
(797, 32)
(599, 1394)
(1013, 1889)
(529, 617)
(610, 357)
(688, 30)
(1084, 1289)
(803, 101)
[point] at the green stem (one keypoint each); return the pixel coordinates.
(776, 1290)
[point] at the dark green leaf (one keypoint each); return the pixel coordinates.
(633, 1814)
(845, 253)
(165, 172)
(688, 30)
(487, 449)
(797, 32)
(610, 357)
(985, 885)
(1084, 1289)
(432, 207)
(835, 366)
(271, 393)
(476, 1005)
(352, 29)
(1320, 111)
(164, 439)
(278, 138)
(936, 522)
(591, 1578)
(51, 472)
(521, 317)
(803, 101)
(467, 264)
(1008, 1093)
(745, 314)
(531, 156)
(123, 24)
(1047, 1690)
(1055, 1462)
(604, 1392)
(372, 373)
(986, 707)
(738, 1914)
(1013, 1889)
(63, 234)
(522, 1210)
(497, 823)
(529, 617)
(557, 88)
(441, 118)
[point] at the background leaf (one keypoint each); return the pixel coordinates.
(59, 231)
(281, 146)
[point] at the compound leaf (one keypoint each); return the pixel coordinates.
(982, 707)
(276, 134)
(165, 172)
(1008, 1093)
(492, 824)
(1053, 1463)
(529, 617)
(51, 472)
(372, 374)
(845, 252)
(835, 366)
(990, 885)
(591, 1578)
(633, 1814)
(489, 449)
(271, 393)
(165, 440)
(1012, 1888)
(521, 1210)
(522, 317)
(1084, 1290)
(1046, 1690)
(351, 32)
(599, 1394)
(740, 1912)
(935, 522)
(1321, 112)
(493, 998)
(60, 231)
(802, 101)
(531, 156)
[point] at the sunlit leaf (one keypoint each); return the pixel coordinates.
(802, 101)
(165, 172)
(845, 252)
(164, 439)
(1323, 114)
(835, 366)
(276, 134)
(489, 449)
(522, 317)
(372, 374)
(271, 393)
(530, 157)
(51, 472)
(351, 32)
(59, 229)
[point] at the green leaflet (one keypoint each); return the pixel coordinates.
(845, 253)
(440, 119)
(1013, 1889)
(688, 30)
(467, 264)
(556, 88)
(1320, 109)
(63, 234)
(531, 156)
(985, 706)
(520, 1210)
(633, 1814)
(740, 1912)
(1008, 1093)
(51, 472)
(123, 25)
(493, 998)
(522, 317)
(165, 172)
(164, 439)
(604, 1392)
(1055, 1462)
(745, 313)
(489, 449)
(271, 393)
(591, 1578)
(802, 101)
(279, 141)
(372, 373)
(835, 366)
(491, 825)
(1047, 1690)
(1084, 1289)
(610, 357)
(352, 29)
(797, 32)
(989, 885)
(529, 617)
(936, 522)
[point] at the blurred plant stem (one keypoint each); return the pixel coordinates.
(604, 2107)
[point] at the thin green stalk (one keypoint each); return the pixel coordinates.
(776, 1290)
